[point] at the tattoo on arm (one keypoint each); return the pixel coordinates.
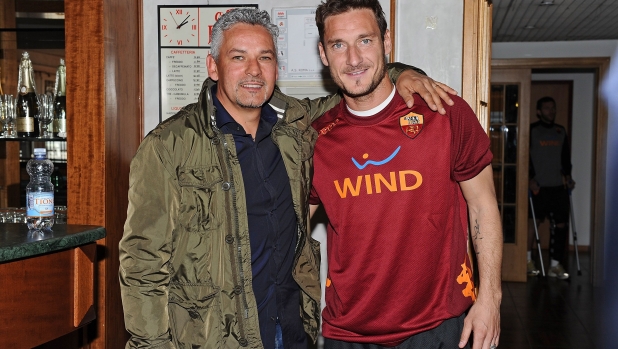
(476, 235)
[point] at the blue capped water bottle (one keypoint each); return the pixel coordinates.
(40, 192)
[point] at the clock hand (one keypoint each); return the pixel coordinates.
(183, 22)
(174, 19)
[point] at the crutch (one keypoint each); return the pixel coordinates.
(579, 271)
(536, 232)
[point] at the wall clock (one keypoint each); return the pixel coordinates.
(179, 26)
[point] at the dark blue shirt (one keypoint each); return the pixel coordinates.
(272, 226)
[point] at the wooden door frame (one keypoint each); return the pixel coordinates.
(515, 253)
(600, 65)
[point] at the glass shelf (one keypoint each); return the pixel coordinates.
(33, 139)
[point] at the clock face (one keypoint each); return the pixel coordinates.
(178, 26)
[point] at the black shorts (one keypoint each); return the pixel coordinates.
(446, 335)
(554, 200)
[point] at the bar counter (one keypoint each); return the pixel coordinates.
(16, 243)
(47, 282)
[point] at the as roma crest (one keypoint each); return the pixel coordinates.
(411, 124)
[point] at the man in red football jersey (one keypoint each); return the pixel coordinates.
(398, 185)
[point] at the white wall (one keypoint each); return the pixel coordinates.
(582, 146)
(429, 35)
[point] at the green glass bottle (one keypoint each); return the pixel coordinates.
(60, 101)
(27, 111)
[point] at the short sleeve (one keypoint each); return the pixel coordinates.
(470, 151)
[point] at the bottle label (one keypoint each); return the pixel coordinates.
(60, 125)
(40, 204)
(24, 124)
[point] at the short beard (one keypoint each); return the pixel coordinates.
(374, 84)
(251, 105)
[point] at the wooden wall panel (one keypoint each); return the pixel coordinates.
(476, 57)
(103, 92)
(85, 110)
(122, 137)
(86, 131)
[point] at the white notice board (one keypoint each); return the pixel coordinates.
(297, 45)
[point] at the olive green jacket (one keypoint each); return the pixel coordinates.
(185, 260)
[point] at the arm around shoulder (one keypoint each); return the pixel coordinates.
(410, 80)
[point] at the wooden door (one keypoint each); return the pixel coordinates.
(509, 132)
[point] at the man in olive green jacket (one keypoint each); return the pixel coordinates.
(185, 257)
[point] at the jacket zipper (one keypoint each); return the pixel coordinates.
(236, 230)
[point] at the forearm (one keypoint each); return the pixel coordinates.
(486, 233)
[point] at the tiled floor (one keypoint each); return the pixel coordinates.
(551, 313)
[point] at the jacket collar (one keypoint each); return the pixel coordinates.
(206, 111)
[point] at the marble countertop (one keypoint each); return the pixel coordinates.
(17, 242)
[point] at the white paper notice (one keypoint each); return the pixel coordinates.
(297, 45)
(182, 73)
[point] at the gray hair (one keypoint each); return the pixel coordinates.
(240, 15)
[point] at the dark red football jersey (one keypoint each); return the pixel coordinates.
(397, 255)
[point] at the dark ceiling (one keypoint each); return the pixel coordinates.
(557, 20)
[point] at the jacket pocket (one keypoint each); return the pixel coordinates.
(195, 323)
(198, 186)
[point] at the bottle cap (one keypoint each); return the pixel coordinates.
(40, 153)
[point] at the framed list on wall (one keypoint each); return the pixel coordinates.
(184, 39)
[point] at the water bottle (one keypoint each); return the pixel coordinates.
(40, 192)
